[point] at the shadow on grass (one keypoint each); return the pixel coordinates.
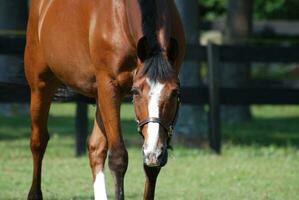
(261, 131)
(109, 197)
(13, 128)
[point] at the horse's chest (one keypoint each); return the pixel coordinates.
(125, 82)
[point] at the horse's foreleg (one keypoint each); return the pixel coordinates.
(41, 96)
(150, 183)
(97, 148)
(109, 101)
(118, 163)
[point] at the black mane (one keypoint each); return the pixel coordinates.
(156, 66)
(149, 22)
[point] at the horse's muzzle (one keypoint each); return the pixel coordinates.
(157, 159)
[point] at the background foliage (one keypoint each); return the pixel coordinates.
(270, 9)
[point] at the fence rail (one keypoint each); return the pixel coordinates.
(11, 45)
(270, 28)
(212, 94)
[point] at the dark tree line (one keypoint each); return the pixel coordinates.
(262, 9)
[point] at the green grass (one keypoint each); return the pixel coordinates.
(260, 160)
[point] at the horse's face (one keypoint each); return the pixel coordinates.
(156, 105)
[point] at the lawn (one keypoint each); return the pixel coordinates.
(260, 160)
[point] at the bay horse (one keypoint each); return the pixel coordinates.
(107, 49)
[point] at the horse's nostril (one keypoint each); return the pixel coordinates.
(160, 156)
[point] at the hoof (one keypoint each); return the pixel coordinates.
(35, 195)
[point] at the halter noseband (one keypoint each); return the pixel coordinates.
(168, 127)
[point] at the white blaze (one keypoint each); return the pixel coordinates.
(153, 111)
(99, 187)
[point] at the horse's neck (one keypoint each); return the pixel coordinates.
(134, 19)
(163, 23)
(163, 29)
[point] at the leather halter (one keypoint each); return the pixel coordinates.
(167, 126)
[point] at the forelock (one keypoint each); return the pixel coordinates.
(157, 68)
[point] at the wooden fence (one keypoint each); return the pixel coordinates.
(265, 27)
(214, 95)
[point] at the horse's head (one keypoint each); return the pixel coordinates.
(156, 101)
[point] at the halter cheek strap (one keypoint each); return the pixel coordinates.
(150, 120)
(168, 127)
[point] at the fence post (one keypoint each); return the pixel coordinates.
(13, 17)
(81, 128)
(192, 118)
(214, 101)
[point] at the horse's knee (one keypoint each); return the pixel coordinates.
(97, 151)
(97, 146)
(39, 141)
(118, 160)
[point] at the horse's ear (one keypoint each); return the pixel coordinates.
(173, 49)
(143, 49)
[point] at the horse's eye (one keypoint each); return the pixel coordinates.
(135, 91)
(175, 93)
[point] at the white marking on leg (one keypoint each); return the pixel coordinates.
(153, 110)
(99, 187)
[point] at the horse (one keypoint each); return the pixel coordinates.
(106, 50)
